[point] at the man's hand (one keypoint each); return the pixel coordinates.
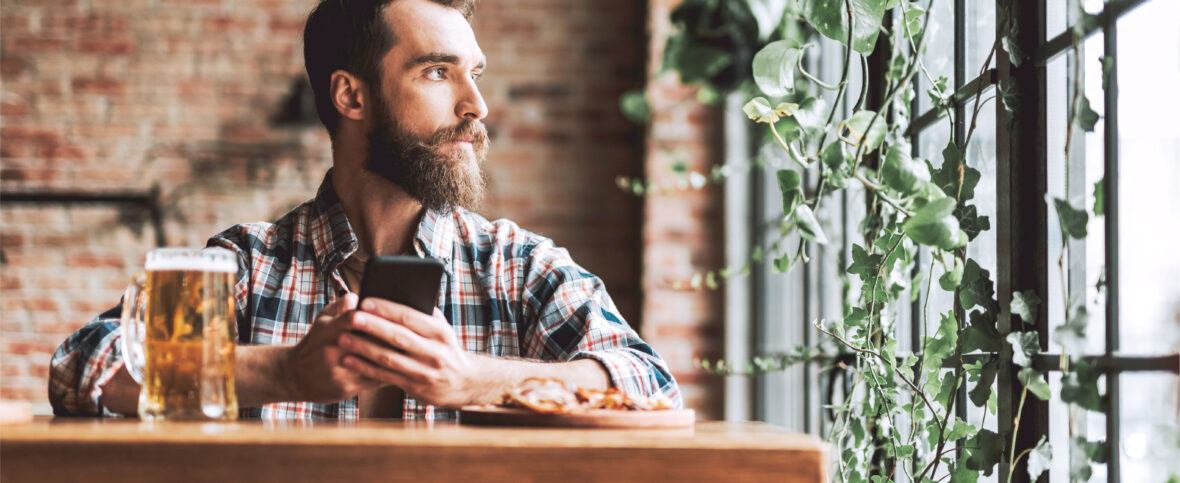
(313, 370)
(428, 362)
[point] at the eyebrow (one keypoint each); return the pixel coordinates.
(440, 57)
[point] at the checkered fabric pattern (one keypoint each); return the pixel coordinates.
(507, 292)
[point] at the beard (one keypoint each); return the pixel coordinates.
(430, 169)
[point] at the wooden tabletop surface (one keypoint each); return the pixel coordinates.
(129, 450)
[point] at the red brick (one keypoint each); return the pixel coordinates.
(12, 66)
(95, 260)
(287, 25)
(14, 109)
(11, 283)
(98, 85)
(227, 23)
(37, 44)
(105, 46)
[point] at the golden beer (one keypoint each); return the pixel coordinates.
(189, 334)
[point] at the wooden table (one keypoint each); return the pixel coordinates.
(382, 450)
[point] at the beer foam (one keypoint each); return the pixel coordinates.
(188, 259)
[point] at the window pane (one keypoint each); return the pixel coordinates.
(981, 155)
(939, 57)
(1149, 178)
(1148, 428)
(980, 35)
(1073, 180)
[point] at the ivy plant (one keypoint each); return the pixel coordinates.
(897, 420)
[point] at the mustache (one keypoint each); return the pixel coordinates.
(470, 130)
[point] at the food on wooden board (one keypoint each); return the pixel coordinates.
(552, 396)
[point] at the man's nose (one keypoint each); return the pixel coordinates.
(471, 105)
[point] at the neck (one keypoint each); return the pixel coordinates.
(383, 216)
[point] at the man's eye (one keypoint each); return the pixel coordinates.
(476, 75)
(436, 73)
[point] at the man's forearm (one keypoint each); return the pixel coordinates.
(258, 375)
(498, 375)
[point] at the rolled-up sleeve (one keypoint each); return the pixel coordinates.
(570, 316)
(83, 364)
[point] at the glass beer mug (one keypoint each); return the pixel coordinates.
(179, 332)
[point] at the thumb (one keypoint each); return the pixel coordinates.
(340, 305)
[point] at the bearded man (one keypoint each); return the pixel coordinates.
(395, 86)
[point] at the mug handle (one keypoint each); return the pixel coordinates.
(133, 327)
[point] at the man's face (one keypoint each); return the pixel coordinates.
(426, 131)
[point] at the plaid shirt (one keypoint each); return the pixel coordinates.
(507, 292)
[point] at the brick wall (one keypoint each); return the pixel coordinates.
(682, 231)
(126, 95)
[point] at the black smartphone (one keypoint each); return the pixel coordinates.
(409, 281)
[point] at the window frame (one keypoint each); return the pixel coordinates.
(1021, 222)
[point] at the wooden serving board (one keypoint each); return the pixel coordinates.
(594, 418)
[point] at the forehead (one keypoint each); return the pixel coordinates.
(422, 27)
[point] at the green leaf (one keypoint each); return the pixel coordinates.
(831, 19)
(774, 68)
(1081, 453)
(1035, 382)
(939, 95)
(759, 110)
(872, 136)
(901, 172)
(863, 264)
(695, 62)
(1080, 386)
(1099, 197)
(1025, 305)
(960, 473)
(1072, 334)
(768, 14)
(983, 388)
(635, 106)
(834, 156)
(985, 448)
(982, 334)
(970, 221)
(977, 288)
(808, 226)
(812, 114)
(942, 345)
(1085, 117)
(959, 429)
(947, 176)
(935, 225)
(709, 95)
(1108, 70)
(1024, 347)
(1039, 459)
(782, 264)
(1015, 54)
(913, 19)
(949, 281)
(711, 280)
(790, 184)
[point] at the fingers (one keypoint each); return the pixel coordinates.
(389, 337)
(341, 305)
(371, 372)
(433, 326)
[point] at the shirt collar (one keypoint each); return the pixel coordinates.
(331, 235)
(334, 240)
(436, 236)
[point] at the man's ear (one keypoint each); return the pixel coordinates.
(348, 95)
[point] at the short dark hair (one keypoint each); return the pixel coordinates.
(350, 35)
